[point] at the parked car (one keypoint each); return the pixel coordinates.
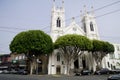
(6, 71)
(22, 71)
(103, 71)
(14, 71)
(116, 71)
(114, 77)
(86, 72)
(77, 72)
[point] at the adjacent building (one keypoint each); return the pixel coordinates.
(5, 61)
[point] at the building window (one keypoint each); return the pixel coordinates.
(62, 62)
(58, 22)
(20, 57)
(108, 64)
(16, 58)
(58, 56)
(84, 27)
(91, 26)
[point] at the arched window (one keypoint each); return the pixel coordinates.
(84, 25)
(58, 22)
(91, 26)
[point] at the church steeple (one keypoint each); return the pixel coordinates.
(89, 25)
(57, 20)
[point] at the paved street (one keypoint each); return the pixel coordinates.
(55, 77)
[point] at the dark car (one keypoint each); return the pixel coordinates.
(116, 71)
(86, 72)
(77, 72)
(103, 71)
(114, 77)
(13, 71)
(22, 71)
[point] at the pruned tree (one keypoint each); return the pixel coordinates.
(32, 43)
(71, 46)
(100, 50)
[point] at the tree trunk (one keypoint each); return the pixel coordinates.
(31, 68)
(68, 69)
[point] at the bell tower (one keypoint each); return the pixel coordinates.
(89, 25)
(57, 21)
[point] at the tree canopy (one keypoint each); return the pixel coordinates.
(100, 50)
(32, 41)
(71, 46)
(82, 42)
(102, 46)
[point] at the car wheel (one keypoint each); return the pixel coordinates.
(107, 72)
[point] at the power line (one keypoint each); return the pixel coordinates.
(14, 28)
(108, 13)
(110, 37)
(3, 52)
(11, 28)
(53, 25)
(70, 18)
(8, 31)
(107, 5)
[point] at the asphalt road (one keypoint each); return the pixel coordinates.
(51, 77)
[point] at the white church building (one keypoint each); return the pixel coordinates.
(88, 28)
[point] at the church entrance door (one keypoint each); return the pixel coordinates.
(58, 69)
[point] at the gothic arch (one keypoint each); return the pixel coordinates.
(58, 22)
(91, 26)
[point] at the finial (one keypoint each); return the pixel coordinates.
(54, 2)
(73, 19)
(53, 5)
(81, 13)
(62, 3)
(85, 9)
(92, 10)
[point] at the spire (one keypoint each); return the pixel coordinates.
(53, 2)
(73, 19)
(85, 11)
(53, 5)
(81, 14)
(62, 3)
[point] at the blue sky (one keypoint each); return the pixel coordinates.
(21, 15)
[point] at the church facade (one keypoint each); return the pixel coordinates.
(88, 28)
